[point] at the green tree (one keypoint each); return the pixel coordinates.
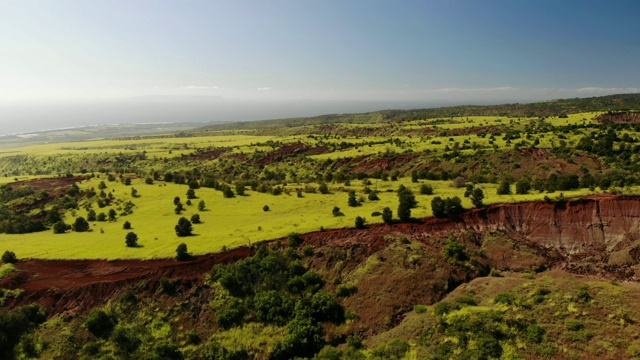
(194, 184)
(407, 201)
(438, 207)
(360, 222)
(477, 197)
(195, 218)
(60, 227)
(323, 188)
(80, 225)
(387, 215)
(179, 208)
(184, 227)
(112, 215)
(53, 216)
(227, 192)
(373, 196)
(91, 215)
(182, 253)
(523, 186)
(426, 189)
(504, 188)
(336, 211)
(131, 239)
(191, 194)
(126, 225)
(99, 323)
(454, 250)
(453, 206)
(352, 199)
(9, 257)
(134, 192)
(201, 205)
(265, 208)
(176, 200)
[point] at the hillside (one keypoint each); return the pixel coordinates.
(503, 232)
(548, 108)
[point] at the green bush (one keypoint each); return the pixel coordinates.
(232, 314)
(182, 253)
(294, 240)
(454, 250)
(504, 298)
(9, 257)
(534, 333)
(419, 309)
(466, 300)
(166, 349)
(443, 308)
(573, 325)
(99, 323)
(346, 290)
(125, 340)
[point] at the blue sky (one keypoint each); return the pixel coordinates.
(278, 52)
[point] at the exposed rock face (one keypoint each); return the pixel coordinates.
(572, 227)
(620, 117)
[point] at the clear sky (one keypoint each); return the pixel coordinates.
(279, 53)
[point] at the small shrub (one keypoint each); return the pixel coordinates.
(195, 219)
(466, 300)
(307, 251)
(193, 338)
(125, 340)
(442, 308)
(547, 349)
(534, 333)
(360, 222)
(495, 273)
(426, 189)
(387, 215)
(126, 225)
(346, 290)
(167, 286)
(419, 309)
(336, 211)
(182, 254)
(294, 240)
(99, 323)
(131, 240)
(9, 257)
(583, 294)
(573, 325)
(504, 298)
(265, 208)
(528, 276)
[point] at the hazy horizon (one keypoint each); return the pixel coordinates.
(68, 64)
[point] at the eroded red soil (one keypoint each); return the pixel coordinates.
(578, 235)
(620, 117)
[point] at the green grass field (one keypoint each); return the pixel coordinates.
(226, 222)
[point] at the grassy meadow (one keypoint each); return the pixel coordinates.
(226, 222)
(230, 222)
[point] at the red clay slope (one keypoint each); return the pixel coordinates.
(588, 225)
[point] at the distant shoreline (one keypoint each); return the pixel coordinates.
(36, 133)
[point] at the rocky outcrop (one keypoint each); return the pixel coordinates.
(572, 227)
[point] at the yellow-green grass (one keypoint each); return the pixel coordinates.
(227, 222)
(6, 269)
